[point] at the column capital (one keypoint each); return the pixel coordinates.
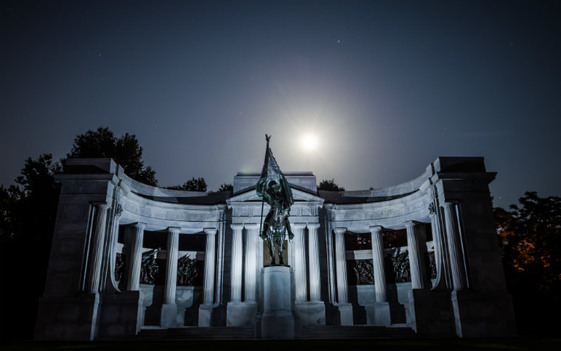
(236, 226)
(210, 231)
(339, 230)
(313, 226)
(448, 204)
(138, 225)
(410, 224)
(101, 205)
(376, 228)
(174, 229)
(250, 226)
(298, 226)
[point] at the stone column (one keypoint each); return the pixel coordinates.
(454, 246)
(442, 271)
(251, 262)
(300, 282)
(415, 242)
(237, 254)
(205, 309)
(210, 256)
(313, 254)
(169, 308)
(96, 249)
(341, 264)
(345, 308)
(382, 312)
(378, 264)
(135, 254)
(113, 237)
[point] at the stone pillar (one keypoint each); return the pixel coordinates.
(113, 237)
(300, 283)
(313, 254)
(237, 254)
(96, 249)
(345, 308)
(169, 308)
(210, 256)
(378, 264)
(135, 254)
(251, 262)
(454, 246)
(416, 242)
(382, 313)
(205, 310)
(442, 271)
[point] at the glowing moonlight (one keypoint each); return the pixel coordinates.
(309, 142)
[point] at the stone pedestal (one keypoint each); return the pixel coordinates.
(168, 318)
(67, 318)
(346, 313)
(479, 315)
(382, 314)
(277, 321)
(122, 315)
(205, 315)
(310, 313)
(430, 312)
(241, 314)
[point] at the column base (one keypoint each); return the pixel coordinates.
(241, 314)
(382, 314)
(168, 318)
(310, 313)
(205, 315)
(345, 313)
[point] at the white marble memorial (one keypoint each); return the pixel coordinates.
(420, 256)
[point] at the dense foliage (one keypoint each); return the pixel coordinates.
(126, 151)
(530, 242)
(329, 185)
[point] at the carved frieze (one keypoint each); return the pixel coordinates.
(186, 271)
(364, 272)
(149, 269)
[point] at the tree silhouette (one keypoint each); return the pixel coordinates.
(329, 185)
(126, 151)
(530, 242)
(28, 211)
(194, 184)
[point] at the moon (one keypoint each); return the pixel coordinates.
(309, 142)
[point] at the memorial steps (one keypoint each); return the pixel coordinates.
(196, 333)
(356, 332)
(307, 332)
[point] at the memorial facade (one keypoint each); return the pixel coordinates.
(130, 260)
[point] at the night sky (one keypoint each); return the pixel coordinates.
(385, 86)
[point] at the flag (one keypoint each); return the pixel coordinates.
(272, 185)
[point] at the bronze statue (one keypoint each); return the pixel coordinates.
(274, 189)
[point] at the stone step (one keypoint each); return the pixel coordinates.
(307, 332)
(356, 332)
(197, 333)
